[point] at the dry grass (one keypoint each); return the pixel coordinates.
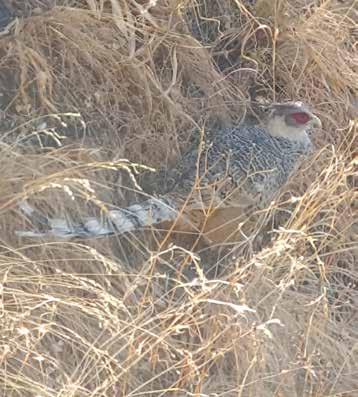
(87, 84)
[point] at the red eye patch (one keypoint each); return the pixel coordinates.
(301, 117)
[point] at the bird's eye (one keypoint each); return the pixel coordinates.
(301, 117)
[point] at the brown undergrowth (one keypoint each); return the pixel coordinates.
(87, 85)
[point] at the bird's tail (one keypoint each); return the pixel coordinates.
(134, 217)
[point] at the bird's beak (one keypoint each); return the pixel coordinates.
(316, 122)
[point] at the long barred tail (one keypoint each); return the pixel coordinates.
(134, 217)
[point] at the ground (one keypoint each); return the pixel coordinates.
(89, 89)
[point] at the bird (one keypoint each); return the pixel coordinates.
(234, 171)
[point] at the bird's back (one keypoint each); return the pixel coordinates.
(245, 158)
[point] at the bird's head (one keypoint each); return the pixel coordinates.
(291, 120)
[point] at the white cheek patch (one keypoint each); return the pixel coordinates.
(278, 127)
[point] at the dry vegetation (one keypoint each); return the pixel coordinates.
(87, 84)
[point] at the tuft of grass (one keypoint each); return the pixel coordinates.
(88, 84)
